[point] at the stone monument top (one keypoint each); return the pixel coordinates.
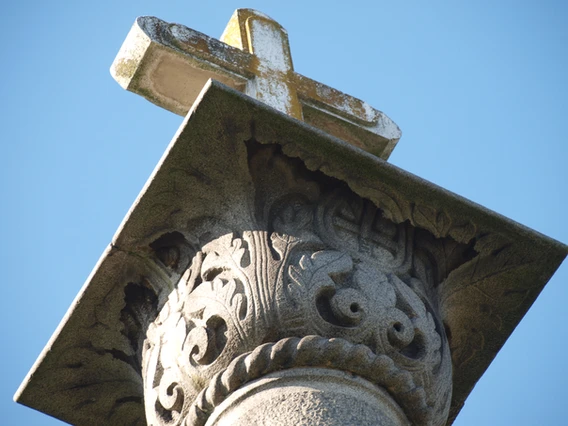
(169, 64)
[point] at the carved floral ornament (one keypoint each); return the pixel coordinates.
(322, 280)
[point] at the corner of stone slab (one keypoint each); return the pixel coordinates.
(17, 396)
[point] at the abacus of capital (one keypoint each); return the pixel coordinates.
(276, 269)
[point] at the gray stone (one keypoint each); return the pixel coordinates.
(306, 397)
(263, 250)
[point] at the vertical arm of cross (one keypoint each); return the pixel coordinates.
(267, 40)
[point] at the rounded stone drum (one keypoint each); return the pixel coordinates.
(308, 396)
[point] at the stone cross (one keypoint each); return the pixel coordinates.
(169, 64)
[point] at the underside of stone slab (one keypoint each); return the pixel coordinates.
(90, 371)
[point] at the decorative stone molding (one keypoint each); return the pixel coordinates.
(323, 262)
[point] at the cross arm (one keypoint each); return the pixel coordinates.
(350, 118)
(169, 64)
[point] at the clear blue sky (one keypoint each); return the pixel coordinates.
(479, 89)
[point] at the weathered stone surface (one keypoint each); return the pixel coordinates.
(244, 191)
(168, 64)
(328, 397)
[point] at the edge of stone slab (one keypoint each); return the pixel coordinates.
(76, 301)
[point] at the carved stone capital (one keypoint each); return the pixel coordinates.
(323, 280)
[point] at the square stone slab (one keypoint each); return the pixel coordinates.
(89, 372)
